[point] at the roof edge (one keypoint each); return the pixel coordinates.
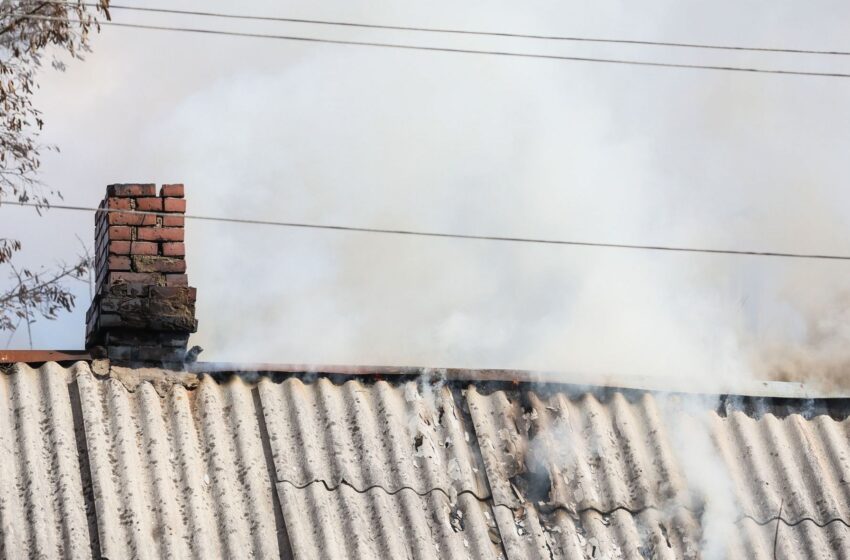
(719, 387)
(736, 387)
(41, 356)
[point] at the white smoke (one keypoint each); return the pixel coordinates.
(491, 146)
(483, 145)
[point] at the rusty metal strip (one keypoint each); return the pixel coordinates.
(42, 356)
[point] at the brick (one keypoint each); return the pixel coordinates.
(173, 221)
(160, 234)
(131, 189)
(173, 249)
(129, 290)
(131, 219)
(152, 204)
(175, 341)
(128, 219)
(101, 242)
(144, 248)
(174, 205)
(120, 233)
(176, 280)
(119, 263)
(134, 277)
(100, 228)
(175, 190)
(126, 353)
(144, 338)
(101, 276)
(143, 263)
(118, 203)
(119, 248)
(168, 291)
(175, 292)
(110, 320)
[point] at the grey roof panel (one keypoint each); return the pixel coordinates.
(798, 464)
(42, 510)
(591, 455)
(370, 435)
(345, 523)
(619, 454)
(117, 466)
(177, 474)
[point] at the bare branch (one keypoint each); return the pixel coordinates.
(34, 295)
(24, 42)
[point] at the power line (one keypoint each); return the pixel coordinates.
(466, 31)
(449, 49)
(416, 233)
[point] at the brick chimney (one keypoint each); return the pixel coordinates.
(143, 310)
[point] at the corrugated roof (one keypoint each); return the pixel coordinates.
(140, 464)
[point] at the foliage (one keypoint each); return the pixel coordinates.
(30, 33)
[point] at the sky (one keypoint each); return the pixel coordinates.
(279, 130)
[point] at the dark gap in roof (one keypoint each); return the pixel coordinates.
(283, 542)
(85, 468)
(758, 407)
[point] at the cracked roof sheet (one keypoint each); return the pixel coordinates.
(144, 464)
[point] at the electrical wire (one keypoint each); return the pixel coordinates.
(417, 233)
(449, 49)
(462, 31)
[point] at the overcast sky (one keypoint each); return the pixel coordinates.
(277, 130)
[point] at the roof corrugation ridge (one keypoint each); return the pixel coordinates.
(369, 435)
(230, 425)
(791, 471)
(596, 454)
(372, 524)
(42, 507)
(171, 443)
(126, 428)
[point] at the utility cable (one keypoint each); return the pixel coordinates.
(449, 49)
(419, 233)
(454, 31)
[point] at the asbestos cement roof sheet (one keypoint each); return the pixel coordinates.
(136, 463)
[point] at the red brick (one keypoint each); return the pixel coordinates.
(126, 190)
(174, 292)
(118, 203)
(128, 219)
(176, 280)
(144, 263)
(174, 205)
(144, 248)
(173, 221)
(175, 190)
(117, 262)
(160, 234)
(134, 278)
(152, 204)
(120, 233)
(119, 248)
(173, 249)
(167, 292)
